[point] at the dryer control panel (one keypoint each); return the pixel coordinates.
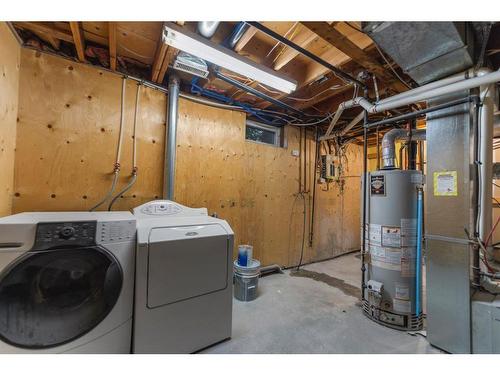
(56, 234)
(167, 208)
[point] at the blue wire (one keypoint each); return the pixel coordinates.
(267, 118)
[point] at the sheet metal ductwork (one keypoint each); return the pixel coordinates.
(426, 51)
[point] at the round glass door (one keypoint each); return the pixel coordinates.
(52, 297)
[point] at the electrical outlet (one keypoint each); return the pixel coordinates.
(296, 153)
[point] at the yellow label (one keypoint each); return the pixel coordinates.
(445, 184)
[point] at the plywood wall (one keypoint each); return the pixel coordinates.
(67, 136)
(9, 88)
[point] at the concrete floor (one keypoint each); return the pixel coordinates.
(315, 311)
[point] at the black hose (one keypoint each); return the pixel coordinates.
(124, 190)
(303, 231)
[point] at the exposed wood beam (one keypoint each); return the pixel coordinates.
(42, 28)
(247, 36)
(161, 50)
(79, 41)
(341, 42)
(167, 60)
(303, 39)
(316, 71)
(112, 44)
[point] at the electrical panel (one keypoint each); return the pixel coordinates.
(329, 169)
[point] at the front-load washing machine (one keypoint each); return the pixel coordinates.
(183, 295)
(67, 282)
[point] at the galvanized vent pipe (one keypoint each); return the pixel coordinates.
(170, 138)
(389, 144)
(208, 28)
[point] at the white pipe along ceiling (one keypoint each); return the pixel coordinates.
(422, 93)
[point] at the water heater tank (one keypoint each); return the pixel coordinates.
(389, 296)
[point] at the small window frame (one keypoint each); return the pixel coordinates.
(278, 133)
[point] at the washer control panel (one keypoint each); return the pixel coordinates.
(115, 231)
(57, 234)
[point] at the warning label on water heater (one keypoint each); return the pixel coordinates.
(377, 185)
(391, 236)
(375, 234)
(389, 259)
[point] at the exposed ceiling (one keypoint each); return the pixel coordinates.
(136, 48)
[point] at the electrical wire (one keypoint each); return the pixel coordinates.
(491, 232)
(285, 35)
(382, 55)
(116, 170)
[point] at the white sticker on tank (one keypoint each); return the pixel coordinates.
(408, 267)
(402, 291)
(389, 259)
(375, 234)
(400, 305)
(408, 232)
(391, 236)
(417, 178)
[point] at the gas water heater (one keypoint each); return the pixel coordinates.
(391, 272)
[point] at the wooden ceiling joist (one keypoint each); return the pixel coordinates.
(112, 44)
(42, 28)
(247, 36)
(161, 50)
(303, 39)
(76, 30)
(340, 41)
(167, 61)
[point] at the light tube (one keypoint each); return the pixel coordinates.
(196, 45)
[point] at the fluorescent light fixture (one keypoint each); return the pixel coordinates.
(196, 45)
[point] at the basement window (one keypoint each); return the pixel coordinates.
(262, 133)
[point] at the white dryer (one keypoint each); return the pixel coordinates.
(66, 282)
(183, 295)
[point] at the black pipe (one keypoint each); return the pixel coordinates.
(305, 52)
(316, 152)
(412, 115)
(365, 182)
(257, 93)
(412, 147)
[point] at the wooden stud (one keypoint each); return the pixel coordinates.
(112, 44)
(78, 38)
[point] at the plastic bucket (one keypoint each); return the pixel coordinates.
(246, 281)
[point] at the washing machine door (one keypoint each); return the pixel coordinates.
(51, 297)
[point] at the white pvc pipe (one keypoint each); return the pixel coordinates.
(417, 95)
(429, 86)
(465, 84)
(487, 96)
